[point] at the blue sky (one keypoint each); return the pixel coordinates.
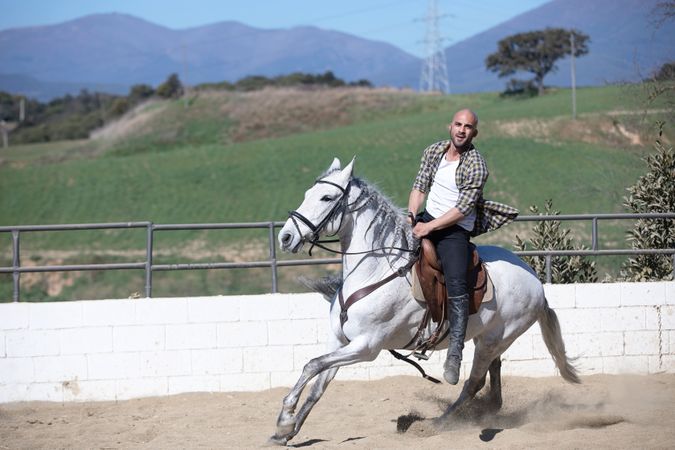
(398, 22)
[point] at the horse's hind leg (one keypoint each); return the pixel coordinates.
(495, 371)
(496, 383)
(288, 424)
(484, 358)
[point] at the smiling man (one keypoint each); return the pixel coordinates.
(451, 179)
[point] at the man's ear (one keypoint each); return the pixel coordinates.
(475, 132)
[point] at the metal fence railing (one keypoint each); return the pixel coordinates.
(272, 262)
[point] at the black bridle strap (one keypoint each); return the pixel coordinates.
(304, 220)
(340, 252)
(317, 228)
(344, 191)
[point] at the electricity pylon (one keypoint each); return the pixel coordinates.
(435, 68)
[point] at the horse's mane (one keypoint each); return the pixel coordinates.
(389, 219)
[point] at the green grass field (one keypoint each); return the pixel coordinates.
(190, 164)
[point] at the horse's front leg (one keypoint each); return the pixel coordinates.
(318, 388)
(288, 424)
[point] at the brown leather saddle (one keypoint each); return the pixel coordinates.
(429, 274)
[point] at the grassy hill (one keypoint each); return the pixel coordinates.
(239, 157)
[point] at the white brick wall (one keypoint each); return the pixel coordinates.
(119, 349)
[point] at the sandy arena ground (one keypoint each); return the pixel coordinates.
(604, 412)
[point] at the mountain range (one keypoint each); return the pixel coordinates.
(111, 52)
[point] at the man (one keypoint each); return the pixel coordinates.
(451, 179)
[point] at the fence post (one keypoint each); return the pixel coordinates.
(148, 260)
(16, 263)
(548, 268)
(273, 258)
(594, 234)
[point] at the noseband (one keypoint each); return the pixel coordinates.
(316, 229)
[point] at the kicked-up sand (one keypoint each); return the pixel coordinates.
(606, 411)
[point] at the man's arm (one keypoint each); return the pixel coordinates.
(449, 218)
(415, 201)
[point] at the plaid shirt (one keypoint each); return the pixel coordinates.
(471, 175)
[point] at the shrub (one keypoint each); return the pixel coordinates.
(171, 88)
(654, 192)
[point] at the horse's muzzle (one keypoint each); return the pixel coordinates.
(288, 241)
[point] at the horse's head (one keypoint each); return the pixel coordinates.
(322, 210)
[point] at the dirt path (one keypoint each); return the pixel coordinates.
(604, 412)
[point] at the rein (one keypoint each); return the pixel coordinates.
(316, 229)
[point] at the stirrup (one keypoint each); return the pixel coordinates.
(421, 355)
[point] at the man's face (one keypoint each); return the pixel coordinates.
(463, 129)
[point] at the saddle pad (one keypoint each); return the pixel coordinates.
(418, 295)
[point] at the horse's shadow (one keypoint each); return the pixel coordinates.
(311, 442)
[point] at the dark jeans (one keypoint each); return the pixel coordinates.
(452, 246)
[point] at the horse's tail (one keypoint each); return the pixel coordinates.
(550, 330)
(326, 286)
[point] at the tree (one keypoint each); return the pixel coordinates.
(547, 235)
(140, 92)
(654, 192)
(663, 12)
(666, 72)
(171, 88)
(536, 52)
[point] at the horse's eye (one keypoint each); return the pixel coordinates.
(326, 198)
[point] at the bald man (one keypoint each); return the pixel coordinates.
(451, 178)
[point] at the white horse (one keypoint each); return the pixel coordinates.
(374, 238)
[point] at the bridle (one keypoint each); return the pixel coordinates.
(316, 229)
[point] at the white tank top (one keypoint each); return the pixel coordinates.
(444, 193)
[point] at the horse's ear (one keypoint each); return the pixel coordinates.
(335, 165)
(349, 169)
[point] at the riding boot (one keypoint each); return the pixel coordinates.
(458, 316)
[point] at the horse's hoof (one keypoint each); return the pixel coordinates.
(439, 422)
(285, 428)
(278, 440)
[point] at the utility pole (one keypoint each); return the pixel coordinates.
(574, 77)
(185, 76)
(4, 130)
(435, 68)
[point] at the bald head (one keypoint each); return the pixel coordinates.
(463, 129)
(468, 116)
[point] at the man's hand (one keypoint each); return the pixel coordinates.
(410, 218)
(422, 229)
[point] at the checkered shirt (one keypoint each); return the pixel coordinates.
(471, 176)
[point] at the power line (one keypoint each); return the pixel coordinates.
(358, 11)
